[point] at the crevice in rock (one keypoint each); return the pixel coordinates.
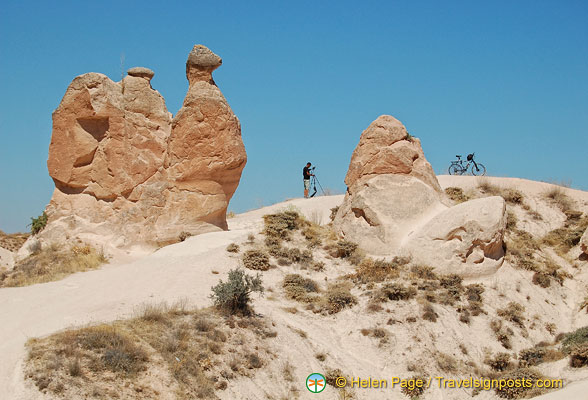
(97, 126)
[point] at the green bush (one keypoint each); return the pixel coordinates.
(39, 223)
(574, 339)
(235, 294)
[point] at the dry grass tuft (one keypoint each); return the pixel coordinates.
(233, 248)
(370, 270)
(456, 194)
(500, 362)
(52, 263)
(520, 391)
(557, 195)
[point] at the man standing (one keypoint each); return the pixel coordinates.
(306, 174)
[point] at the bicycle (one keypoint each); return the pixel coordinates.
(457, 167)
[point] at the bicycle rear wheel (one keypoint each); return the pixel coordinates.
(478, 169)
(454, 169)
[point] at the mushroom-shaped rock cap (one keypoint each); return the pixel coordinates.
(202, 58)
(141, 72)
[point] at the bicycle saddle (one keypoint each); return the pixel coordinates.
(458, 156)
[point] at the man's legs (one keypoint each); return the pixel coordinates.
(306, 187)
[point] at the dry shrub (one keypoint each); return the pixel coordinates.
(429, 313)
(568, 236)
(579, 356)
(422, 272)
(396, 291)
(338, 297)
(456, 194)
(342, 249)
(256, 260)
(333, 214)
(446, 362)
(537, 355)
(511, 220)
(370, 270)
(233, 248)
(574, 339)
(183, 236)
(557, 195)
(510, 195)
(513, 312)
(502, 333)
(51, 263)
(299, 288)
(520, 391)
(500, 362)
(279, 225)
(415, 387)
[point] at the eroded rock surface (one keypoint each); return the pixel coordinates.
(394, 205)
(466, 239)
(124, 169)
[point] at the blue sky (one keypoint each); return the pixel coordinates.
(506, 79)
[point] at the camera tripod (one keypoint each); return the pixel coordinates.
(313, 182)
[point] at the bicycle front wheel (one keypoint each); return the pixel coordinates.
(478, 169)
(454, 169)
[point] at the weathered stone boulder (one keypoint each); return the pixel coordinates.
(380, 211)
(386, 148)
(584, 242)
(466, 239)
(390, 188)
(124, 170)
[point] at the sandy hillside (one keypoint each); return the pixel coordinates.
(185, 270)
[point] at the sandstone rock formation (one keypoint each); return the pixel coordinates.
(394, 205)
(465, 239)
(390, 188)
(386, 148)
(378, 213)
(123, 169)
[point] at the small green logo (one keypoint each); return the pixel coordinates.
(315, 383)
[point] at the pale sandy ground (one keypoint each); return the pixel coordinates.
(185, 270)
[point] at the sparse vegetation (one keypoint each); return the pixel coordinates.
(513, 312)
(510, 195)
(233, 248)
(183, 236)
(300, 289)
(568, 236)
(556, 194)
(338, 297)
(456, 194)
(538, 354)
(52, 263)
(235, 294)
(370, 270)
(502, 333)
(520, 391)
(415, 387)
(39, 223)
(123, 359)
(574, 339)
(333, 214)
(500, 362)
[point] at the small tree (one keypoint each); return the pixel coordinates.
(234, 295)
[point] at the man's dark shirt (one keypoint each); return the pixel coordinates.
(306, 173)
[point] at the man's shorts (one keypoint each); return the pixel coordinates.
(306, 184)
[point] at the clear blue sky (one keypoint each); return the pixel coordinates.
(506, 79)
